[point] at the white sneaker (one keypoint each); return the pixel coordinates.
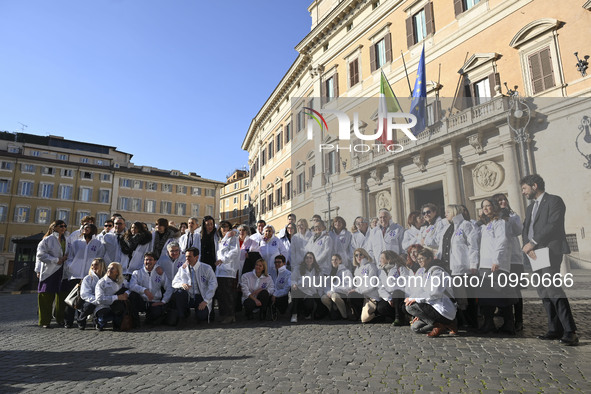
(294, 318)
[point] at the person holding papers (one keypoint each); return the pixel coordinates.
(544, 228)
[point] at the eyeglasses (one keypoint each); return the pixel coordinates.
(427, 212)
(108, 225)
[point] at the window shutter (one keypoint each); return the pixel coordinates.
(323, 92)
(436, 111)
(410, 34)
(352, 72)
(458, 7)
(535, 69)
(494, 79)
(429, 21)
(372, 57)
(547, 71)
(335, 84)
(338, 162)
(388, 45)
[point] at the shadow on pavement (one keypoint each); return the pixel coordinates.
(31, 366)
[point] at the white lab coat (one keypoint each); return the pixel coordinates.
(390, 240)
(322, 249)
(49, 251)
(80, 257)
(464, 249)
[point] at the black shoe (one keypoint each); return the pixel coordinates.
(81, 326)
(570, 339)
(68, 325)
(549, 336)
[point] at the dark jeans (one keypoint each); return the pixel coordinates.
(153, 312)
(356, 301)
(427, 313)
(184, 303)
(82, 313)
(114, 312)
(225, 293)
(250, 305)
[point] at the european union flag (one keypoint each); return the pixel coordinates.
(419, 97)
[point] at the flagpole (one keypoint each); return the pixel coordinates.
(406, 72)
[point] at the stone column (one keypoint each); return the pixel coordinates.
(453, 189)
(511, 166)
(397, 208)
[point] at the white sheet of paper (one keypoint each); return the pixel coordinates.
(542, 259)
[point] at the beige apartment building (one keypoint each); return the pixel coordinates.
(235, 199)
(481, 137)
(47, 178)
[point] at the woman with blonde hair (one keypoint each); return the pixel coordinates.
(363, 298)
(97, 270)
(52, 252)
(110, 297)
(257, 289)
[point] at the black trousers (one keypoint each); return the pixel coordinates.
(394, 312)
(82, 313)
(225, 294)
(153, 312)
(250, 305)
(560, 317)
(69, 312)
(184, 302)
(282, 303)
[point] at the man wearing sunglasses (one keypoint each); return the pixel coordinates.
(108, 227)
(111, 240)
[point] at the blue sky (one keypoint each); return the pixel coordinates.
(176, 82)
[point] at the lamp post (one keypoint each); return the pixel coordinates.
(518, 118)
(583, 141)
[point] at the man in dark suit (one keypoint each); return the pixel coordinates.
(544, 228)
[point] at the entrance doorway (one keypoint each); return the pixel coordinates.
(432, 193)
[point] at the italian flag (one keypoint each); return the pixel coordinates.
(388, 103)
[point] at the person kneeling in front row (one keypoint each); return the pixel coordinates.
(257, 289)
(110, 298)
(147, 287)
(195, 286)
(280, 299)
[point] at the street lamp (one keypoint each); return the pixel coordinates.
(518, 118)
(584, 140)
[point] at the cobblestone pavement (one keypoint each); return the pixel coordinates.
(253, 356)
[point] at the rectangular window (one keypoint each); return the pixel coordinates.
(181, 189)
(246, 182)
(209, 192)
(166, 207)
(195, 210)
(150, 206)
(21, 214)
(270, 201)
(3, 213)
(25, 188)
(288, 191)
(245, 197)
(35, 153)
(152, 186)
(330, 90)
(63, 214)
(419, 26)
(6, 165)
(85, 194)
(4, 186)
(181, 208)
(278, 196)
(46, 190)
(28, 168)
(138, 185)
(482, 91)
(14, 149)
(301, 182)
(354, 72)
(100, 162)
(227, 203)
(136, 204)
(104, 196)
(106, 177)
(209, 210)
(264, 205)
(48, 171)
(270, 150)
(235, 185)
(65, 192)
(86, 175)
(42, 215)
(62, 157)
(67, 173)
(301, 122)
(167, 187)
(196, 191)
(125, 182)
(288, 132)
(235, 200)
(469, 4)
(541, 72)
(312, 172)
(124, 203)
(263, 157)
(84, 160)
(332, 164)
(278, 140)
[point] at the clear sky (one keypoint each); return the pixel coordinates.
(174, 82)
